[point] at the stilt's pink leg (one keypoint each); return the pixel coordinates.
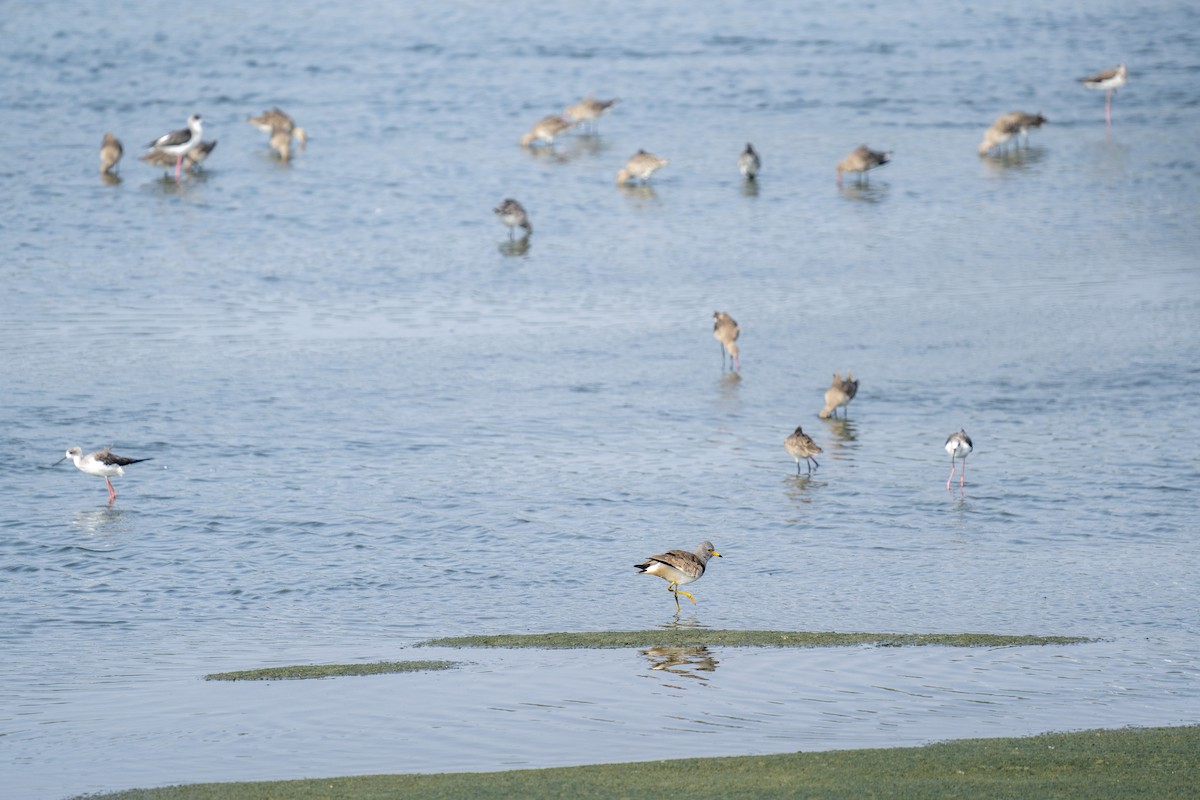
(178, 164)
(951, 478)
(112, 493)
(962, 476)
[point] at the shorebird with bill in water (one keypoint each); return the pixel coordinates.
(1006, 126)
(110, 153)
(544, 131)
(958, 445)
(862, 160)
(836, 397)
(641, 165)
(1109, 80)
(177, 143)
(726, 331)
(103, 464)
(191, 159)
(589, 110)
(679, 567)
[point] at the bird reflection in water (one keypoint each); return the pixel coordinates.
(842, 430)
(514, 247)
(1017, 159)
(864, 192)
(686, 661)
(93, 520)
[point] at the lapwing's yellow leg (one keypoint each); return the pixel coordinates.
(688, 595)
(674, 587)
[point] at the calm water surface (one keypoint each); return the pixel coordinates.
(374, 420)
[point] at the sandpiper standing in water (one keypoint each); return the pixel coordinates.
(641, 165)
(801, 446)
(861, 160)
(589, 110)
(544, 131)
(836, 397)
(110, 153)
(726, 331)
(749, 163)
(512, 214)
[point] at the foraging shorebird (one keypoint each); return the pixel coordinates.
(282, 129)
(103, 464)
(801, 446)
(641, 165)
(749, 163)
(110, 153)
(726, 331)
(1007, 126)
(177, 143)
(191, 159)
(513, 214)
(861, 160)
(545, 129)
(271, 120)
(678, 567)
(1109, 80)
(836, 396)
(589, 109)
(958, 445)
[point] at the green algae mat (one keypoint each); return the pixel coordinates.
(684, 637)
(1160, 763)
(311, 671)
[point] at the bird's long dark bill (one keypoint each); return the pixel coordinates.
(56, 463)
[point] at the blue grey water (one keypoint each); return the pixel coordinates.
(373, 420)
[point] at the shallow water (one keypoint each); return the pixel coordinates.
(374, 420)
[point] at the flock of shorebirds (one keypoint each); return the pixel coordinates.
(677, 567)
(184, 148)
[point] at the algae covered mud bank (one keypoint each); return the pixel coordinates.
(696, 637)
(1160, 763)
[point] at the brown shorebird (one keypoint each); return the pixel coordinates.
(726, 331)
(271, 120)
(512, 214)
(589, 110)
(177, 143)
(1007, 126)
(110, 153)
(749, 163)
(801, 446)
(544, 131)
(678, 567)
(958, 445)
(861, 160)
(836, 396)
(641, 165)
(191, 159)
(1109, 80)
(103, 464)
